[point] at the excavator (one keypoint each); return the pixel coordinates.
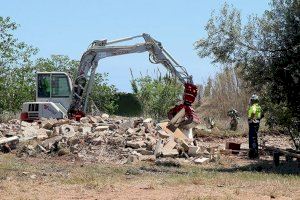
(58, 97)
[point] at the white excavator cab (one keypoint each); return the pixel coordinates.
(53, 97)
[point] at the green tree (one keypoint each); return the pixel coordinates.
(15, 68)
(266, 49)
(157, 96)
(104, 95)
(60, 63)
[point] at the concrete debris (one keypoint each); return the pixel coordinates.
(193, 150)
(135, 144)
(104, 139)
(9, 139)
(105, 116)
(67, 131)
(101, 128)
(201, 160)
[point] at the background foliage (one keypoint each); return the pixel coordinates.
(157, 95)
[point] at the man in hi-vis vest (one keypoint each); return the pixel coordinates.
(254, 116)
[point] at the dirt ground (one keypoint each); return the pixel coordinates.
(232, 177)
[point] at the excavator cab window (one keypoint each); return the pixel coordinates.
(60, 86)
(44, 85)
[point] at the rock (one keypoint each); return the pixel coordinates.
(73, 141)
(63, 151)
(148, 120)
(132, 159)
(48, 125)
(104, 116)
(25, 124)
(184, 145)
(193, 150)
(158, 147)
(98, 141)
(144, 151)
(99, 119)
(150, 158)
(93, 119)
(201, 160)
(74, 149)
(56, 130)
(112, 127)
(67, 131)
(33, 176)
(30, 150)
(170, 144)
(168, 162)
(40, 148)
(101, 128)
(49, 142)
(42, 134)
(29, 131)
(61, 122)
(130, 131)
(170, 152)
(49, 133)
(9, 139)
(85, 130)
(135, 144)
(163, 134)
(136, 122)
(84, 120)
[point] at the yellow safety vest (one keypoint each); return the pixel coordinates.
(254, 112)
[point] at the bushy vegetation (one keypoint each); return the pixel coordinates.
(266, 50)
(225, 91)
(157, 95)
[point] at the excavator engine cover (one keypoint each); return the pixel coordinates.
(190, 93)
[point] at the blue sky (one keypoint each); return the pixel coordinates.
(67, 27)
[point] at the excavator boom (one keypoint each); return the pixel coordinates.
(100, 49)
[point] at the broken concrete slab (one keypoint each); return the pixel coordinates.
(169, 152)
(163, 134)
(84, 120)
(85, 130)
(158, 147)
(9, 139)
(193, 150)
(93, 119)
(104, 116)
(184, 145)
(98, 141)
(201, 160)
(148, 120)
(101, 128)
(135, 144)
(49, 142)
(130, 131)
(144, 151)
(178, 134)
(67, 131)
(170, 144)
(49, 124)
(61, 122)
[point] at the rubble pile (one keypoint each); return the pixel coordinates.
(103, 139)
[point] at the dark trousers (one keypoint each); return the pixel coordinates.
(253, 141)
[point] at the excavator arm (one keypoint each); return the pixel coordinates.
(100, 49)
